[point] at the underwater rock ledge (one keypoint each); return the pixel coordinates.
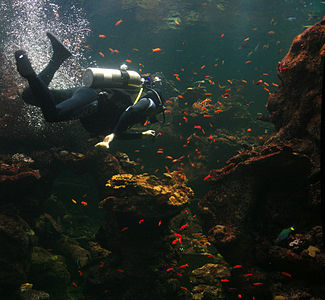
(265, 189)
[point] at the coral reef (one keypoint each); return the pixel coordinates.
(264, 189)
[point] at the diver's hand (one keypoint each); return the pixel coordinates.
(148, 133)
(106, 141)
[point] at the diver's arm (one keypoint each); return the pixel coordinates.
(132, 115)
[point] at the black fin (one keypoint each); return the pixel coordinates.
(60, 52)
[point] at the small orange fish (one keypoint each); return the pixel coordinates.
(224, 280)
(248, 62)
(159, 223)
(156, 49)
(202, 67)
(229, 81)
(169, 102)
(101, 54)
(286, 274)
(168, 112)
(222, 35)
(102, 36)
(183, 226)
(259, 82)
(116, 51)
(140, 221)
(180, 96)
(207, 177)
(74, 284)
(207, 116)
(178, 78)
(275, 84)
(237, 266)
(125, 228)
(266, 84)
(247, 39)
(183, 266)
(128, 61)
(169, 269)
(257, 283)
(84, 203)
(266, 74)
(118, 22)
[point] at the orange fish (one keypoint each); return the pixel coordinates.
(237, 266)
(159, 223)
(229, 82)
(245, 81)
(140, 221)
(128, 60)
(156, 49)
(248, 62)
(183, 266)
(83, 203)
(168, 111)
(102, 36)
(247, 39)
(74, 284)
(259, 82)
(118, 22)
(183, 226)
(207, 116)
(202, 67)
(125, 228)
(116, 51)
(275, 84)
(207, 177)
(169, 269)
(101, 54)
(222, 35)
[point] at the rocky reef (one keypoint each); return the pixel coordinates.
(267, 188)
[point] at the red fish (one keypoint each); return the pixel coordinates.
(183, 226)
(259, 82)
(118, 22)
(183, 266)
(207, 177)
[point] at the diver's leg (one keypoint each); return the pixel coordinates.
(60, 53)
(83, 102)
(41, 92)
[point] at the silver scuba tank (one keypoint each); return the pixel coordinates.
(99, 78)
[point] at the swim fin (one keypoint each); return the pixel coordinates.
(24, 66)
(60, 52)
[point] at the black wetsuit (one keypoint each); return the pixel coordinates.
(100, 112)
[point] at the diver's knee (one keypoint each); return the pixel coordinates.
(28, 97)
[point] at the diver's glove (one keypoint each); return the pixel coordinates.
(149, 133)
(106, 141)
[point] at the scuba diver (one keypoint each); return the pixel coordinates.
(106, 102)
